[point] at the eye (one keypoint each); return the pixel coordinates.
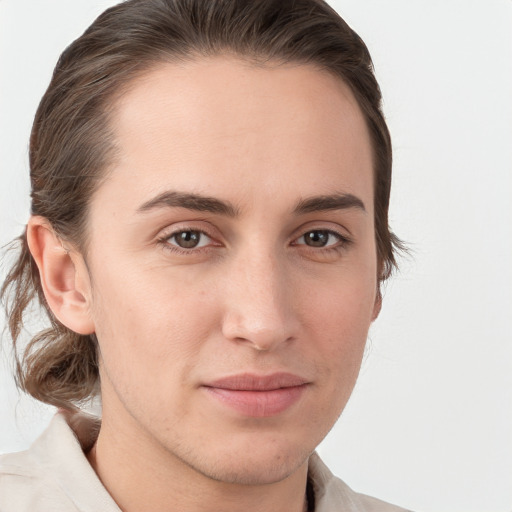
(189, 239)
(319, 238)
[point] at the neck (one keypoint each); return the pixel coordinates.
(141, 475)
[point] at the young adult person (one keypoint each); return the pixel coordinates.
(210, 187)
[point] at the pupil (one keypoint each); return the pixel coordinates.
(188, 239)
(316, 238)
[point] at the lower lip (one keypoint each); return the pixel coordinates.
(258, 403)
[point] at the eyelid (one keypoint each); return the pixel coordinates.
(193, 225)
(200, 245)
(343, 240)
(167, 233)
(331, 227)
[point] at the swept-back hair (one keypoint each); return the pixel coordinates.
(71, 145)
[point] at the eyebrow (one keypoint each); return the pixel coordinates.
(329, 202)
(189, 201)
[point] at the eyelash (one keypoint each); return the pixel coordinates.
(343, 242)
(165, 242)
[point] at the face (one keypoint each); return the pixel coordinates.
(233, 265)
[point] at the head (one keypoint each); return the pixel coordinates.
(210, 188)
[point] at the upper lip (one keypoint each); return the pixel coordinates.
(254, 382)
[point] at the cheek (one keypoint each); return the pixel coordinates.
(145, 325)
(341, 307)
(150, 341)
(337, 319)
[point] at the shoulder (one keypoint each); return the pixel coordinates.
(54, 474)
(364, 503)
(27, 486)
(333, 495)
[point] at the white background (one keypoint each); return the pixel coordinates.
(430, 423)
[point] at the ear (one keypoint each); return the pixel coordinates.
(64, 277)
(378, 304)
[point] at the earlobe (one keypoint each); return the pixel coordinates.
(66, 294)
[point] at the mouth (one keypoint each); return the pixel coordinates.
(258, 396)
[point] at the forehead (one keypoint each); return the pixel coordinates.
(215, 122)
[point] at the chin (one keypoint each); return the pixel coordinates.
(259, 465)
(255, 471)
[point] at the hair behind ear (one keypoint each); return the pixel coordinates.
(60, 370)
(58, 366)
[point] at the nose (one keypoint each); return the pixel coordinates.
(259, 309)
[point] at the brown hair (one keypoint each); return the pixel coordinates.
(71, 146)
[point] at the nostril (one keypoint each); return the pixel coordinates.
(261, 337)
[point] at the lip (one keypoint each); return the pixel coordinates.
(258, 395)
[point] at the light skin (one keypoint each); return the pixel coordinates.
(268, 170)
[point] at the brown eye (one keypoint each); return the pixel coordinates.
(188, 239)
(316, 238)
(319, 238)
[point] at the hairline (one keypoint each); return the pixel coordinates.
(144, 69)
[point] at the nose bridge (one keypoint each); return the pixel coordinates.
(259, 308)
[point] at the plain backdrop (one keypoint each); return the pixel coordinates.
(429, 425)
